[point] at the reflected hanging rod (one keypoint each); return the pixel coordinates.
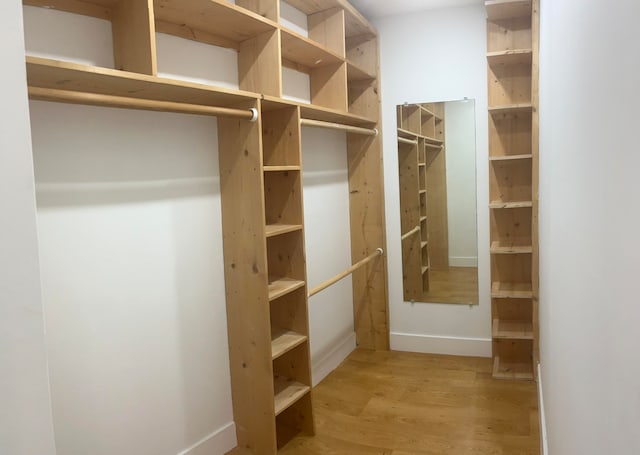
(349, 271)
(407, 141)
(339, 126)
(433, 146)
(411, 232)
(96, 99)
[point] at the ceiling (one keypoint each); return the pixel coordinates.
(379, 8)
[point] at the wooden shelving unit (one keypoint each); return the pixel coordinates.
(260, 171)
(422, 173)
(512, 65)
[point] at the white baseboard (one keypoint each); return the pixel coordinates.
(321, 368)
(219, 442)
(544, 443)
(431, 344)
(463, 262)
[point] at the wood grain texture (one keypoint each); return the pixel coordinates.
(403, 403)
(134, 37)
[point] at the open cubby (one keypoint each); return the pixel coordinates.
(281, 139)
(511, 276)
(411, 120)
(511, 228)
(512, 319)
(283, 198)
(295, 419)
(513, 359)
(289, 313)
(510, 181)
(412, 263)
(509, 83)
(424, 232)
(285, 256)
(428, 122)
(423, 202)
(510, 134)
(509, 34)
(409, 186)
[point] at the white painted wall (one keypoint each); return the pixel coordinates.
(590, 219)
(460, 140)
(25, 411)
(445, 61)
(131, 252)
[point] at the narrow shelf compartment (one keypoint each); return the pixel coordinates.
(497, 248)
(512, 330)
(315, 112)
(512, 370)
(303, 51)
(510, 57)
(425, 269)
(510, 205)
(278, 229)
(283, 341)
(510, 157)
(423, 244)
(283, 286)
(501, 290)
(507, 9)
(215, 17)
(511, 108)
(287, 392)
(356, 73)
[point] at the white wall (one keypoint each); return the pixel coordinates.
(460, 140)
(446, 61)
(589, 224)
(25, 410)
(131, 252)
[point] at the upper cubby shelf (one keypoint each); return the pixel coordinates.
(355, 23)
(308, 53)
(510, 57)
(356, 73)
(507, 9)
(216, 17)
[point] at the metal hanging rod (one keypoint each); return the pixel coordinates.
(407, 141)
(411, 232)
(433, 146)
(324, 285)
(96, 99)
(339, 126)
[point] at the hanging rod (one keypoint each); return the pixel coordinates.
(50, 94)
(411, 232)
(349, 271)
(433, 146)
(407, 141)
(339, 126)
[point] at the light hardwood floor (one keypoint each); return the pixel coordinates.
(453, 285)
(397, 403)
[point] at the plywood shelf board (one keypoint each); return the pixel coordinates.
(278, 229)
(281, 168)
(510, 57)
(48, 73)
(282, 286)
(287, 392)
(511, 108)
(497, 248)
(512, 370)
(314, 112)
(511, 290)
(510, 205)
(356, 73)
(512, 330)
(507, 9)
(283, 341)
(217, 17)
(303, 51)
(511, 157)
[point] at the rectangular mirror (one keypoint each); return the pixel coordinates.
(437, 170)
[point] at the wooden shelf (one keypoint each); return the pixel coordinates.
(511, 108)
(512, 330)
(287, 392)
(303, 51)
(281, 168)
(355, 73)
(407, 134)
(314, 112)
(423, 191)
(216, 17)
(510, 205)
(48, 73)
(423, 244)
(510, 157)
(283, 341)
(497, 248)
(506, 370)
(283, 286)
(511, 290)
(425, 269)
(278, 229)
(507, 9)
(510, 57)
(423, 218)
(428, 112)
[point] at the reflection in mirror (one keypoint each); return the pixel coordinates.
(437, 170)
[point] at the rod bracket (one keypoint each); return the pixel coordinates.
(254, 112)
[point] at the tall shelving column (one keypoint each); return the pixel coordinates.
(512, 55)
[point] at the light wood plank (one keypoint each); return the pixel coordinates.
(511, 157)
(497, 248)
(134, 37)
(510, 57)
(283, 341)
(278, 229)
(511, 290)
(510, 205)
(287, 392)
(507, 9)
(282, 286)
(513, 330)
(306, 52)
(101, 9)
